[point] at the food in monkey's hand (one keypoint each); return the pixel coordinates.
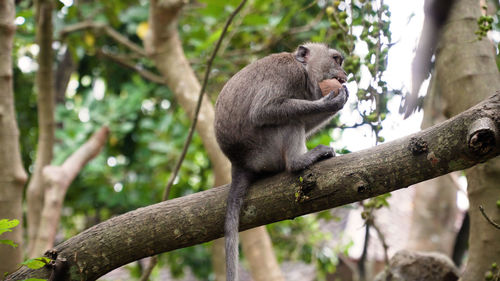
(329, 85)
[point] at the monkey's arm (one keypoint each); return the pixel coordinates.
(275, 112)
(315, 122)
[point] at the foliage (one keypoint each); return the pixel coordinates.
(493, 274)
(372, 204)
(485, 24)
(304, 239)
(6, 226)
(36, 263)
(147, 126)
(365, 23)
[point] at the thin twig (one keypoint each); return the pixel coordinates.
(334, 14)
(364, 254)
(381, 237)
(233, 31)
(149, 268)
(308, 26)
(153, 77)
(115, 35)
(198, 105)
(377, 72)
(496, 225)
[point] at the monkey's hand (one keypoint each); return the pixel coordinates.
(334, 102)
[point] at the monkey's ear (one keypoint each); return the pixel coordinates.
(302, 54)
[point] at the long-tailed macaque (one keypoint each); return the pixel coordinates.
(264, 114)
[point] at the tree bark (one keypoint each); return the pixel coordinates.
(467, 72)
(165, 48)
(453, 145)
(434, 210)
(258, 250)
(12, 174)
(46, 123)
(57, 180)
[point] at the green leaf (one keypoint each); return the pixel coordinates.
(6, 225)
(36, 263)
(8, 242)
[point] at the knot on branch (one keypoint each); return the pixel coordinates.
(306, 183)
(417, 146)
(57, 265)
(482, 137)
(362, 187)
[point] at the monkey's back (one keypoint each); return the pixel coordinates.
(267, 80)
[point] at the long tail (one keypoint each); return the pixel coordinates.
(240, 181)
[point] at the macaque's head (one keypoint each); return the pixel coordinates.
(321, 62)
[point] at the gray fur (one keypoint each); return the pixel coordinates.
(264, 114)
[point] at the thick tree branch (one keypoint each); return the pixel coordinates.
(46, 124)
(57, 180)
(12, 174)
(199, 217)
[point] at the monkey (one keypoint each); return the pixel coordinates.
(263, 115)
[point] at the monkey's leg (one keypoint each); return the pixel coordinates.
(300, 162)
(297, 157)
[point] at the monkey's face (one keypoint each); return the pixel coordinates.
(321, 62)
(334, 69)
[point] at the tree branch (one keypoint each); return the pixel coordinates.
(102, 27)
(57, 180)
(496, 225)
(199, 217)
(146, 74)
(46, 124)
(12, 174)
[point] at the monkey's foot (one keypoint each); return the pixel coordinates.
(320, 152)
(324, 152)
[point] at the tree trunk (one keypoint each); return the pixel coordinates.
(467, 72)
(57, 180)
(257, 246)
(46, 123)
(434, 210)
(197, 218)
(164, 47)
(12, 174)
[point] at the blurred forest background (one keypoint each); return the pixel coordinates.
(123, 76)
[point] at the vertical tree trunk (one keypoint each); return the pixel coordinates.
(257, 247)
(467, 72)
(57, 180)
(164, 47)
(435, 209)
(46, 124)
(12, 174)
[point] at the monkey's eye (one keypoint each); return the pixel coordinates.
(338, 59)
